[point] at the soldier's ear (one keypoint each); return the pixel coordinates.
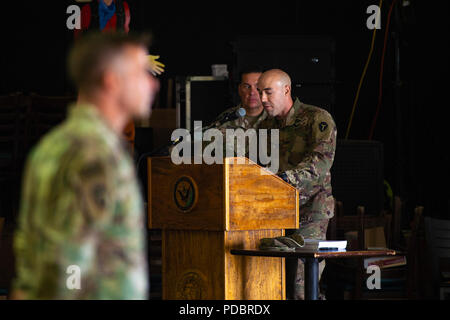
(287, 90)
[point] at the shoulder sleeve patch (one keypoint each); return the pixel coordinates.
(323, 126)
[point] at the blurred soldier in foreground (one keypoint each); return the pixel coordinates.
(81, 230)
(307, 147)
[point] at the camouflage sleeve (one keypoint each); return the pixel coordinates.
(88, 240)
(62, 224)
(107, 236)
(95, 230)
(309, 175)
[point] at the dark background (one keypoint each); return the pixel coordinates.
(190, 36)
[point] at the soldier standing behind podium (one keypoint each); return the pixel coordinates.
(307, 147)
(81, 226)
(250, 101)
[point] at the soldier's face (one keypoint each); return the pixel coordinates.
(248, 92)
(138, 87)
(273, 95)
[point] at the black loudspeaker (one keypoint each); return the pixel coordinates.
(357, 175)
(309, 61)
(201, 98)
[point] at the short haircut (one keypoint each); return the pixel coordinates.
(249, 69)
(91, 56)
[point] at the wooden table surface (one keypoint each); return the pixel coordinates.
(301, 253)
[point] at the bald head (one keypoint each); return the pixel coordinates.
(274, 87)
(277, 76)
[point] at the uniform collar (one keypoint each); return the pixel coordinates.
(291, 116)
(89, 112)
(84, 110)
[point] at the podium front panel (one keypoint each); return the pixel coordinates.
(185, 196)
(207, 210)
(219, 197)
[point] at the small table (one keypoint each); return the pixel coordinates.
(311, 260)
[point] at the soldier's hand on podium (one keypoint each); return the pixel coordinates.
(157, 67)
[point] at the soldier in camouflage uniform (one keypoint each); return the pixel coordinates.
(254, 115)
(81, 205)
(250, 101)
(307, 146)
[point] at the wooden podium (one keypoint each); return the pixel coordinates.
(204, 211)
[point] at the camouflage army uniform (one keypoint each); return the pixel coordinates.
(81, 205)
(307, 147)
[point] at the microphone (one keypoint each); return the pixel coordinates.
(239, 113)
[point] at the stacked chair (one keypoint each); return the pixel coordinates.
(363, 218)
